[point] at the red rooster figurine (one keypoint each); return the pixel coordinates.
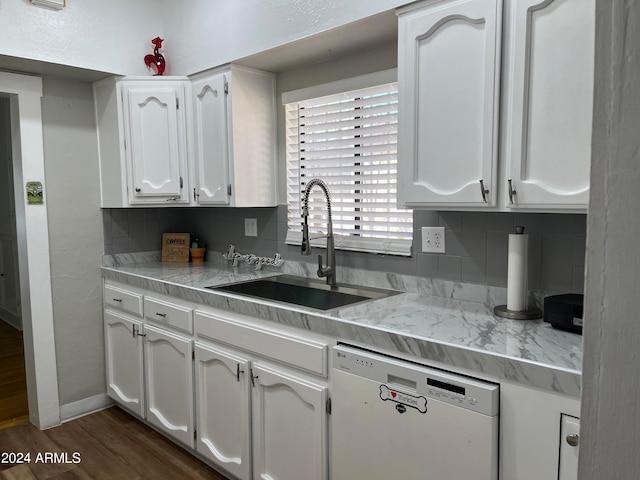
(156, 59)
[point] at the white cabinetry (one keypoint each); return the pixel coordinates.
(124, 358)
(569, 447)
(549, 73)
(234, 137)
(288, 425)
(143, 144)
(449, 81)
(448, 75)
(169, 383)
(534, 425)
(150, 369)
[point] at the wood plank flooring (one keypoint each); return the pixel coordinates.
(109, 445)
(14, 408)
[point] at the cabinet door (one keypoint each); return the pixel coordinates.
(448, 74)
(569, 448)
(123, 345)
(550, 102)
(169, 382)
(211, 140)
(155, 142)
(222, 409)
(289, 426)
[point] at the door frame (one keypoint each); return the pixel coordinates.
(25, 93)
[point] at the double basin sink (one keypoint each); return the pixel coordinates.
(305, 292)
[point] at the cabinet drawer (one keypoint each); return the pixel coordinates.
(168, 314)
(123, 299)
(297, 351)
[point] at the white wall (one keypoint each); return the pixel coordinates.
(75, 236)
(610, 418)
(111, 36)
(206, 33)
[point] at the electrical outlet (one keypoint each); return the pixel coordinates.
(250, 227)
(433, 239)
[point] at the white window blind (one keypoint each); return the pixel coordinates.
(349, 140)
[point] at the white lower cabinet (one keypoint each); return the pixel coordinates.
(252, 413)
(169, 383)
(124, 358)
(535, 434)
(256, 416)
(289, 426)
(223, 409)
(569, 447)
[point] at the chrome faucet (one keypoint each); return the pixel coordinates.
(330, 270)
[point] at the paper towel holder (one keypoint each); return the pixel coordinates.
(531, 313)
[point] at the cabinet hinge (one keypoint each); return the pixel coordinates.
(327, 406)
(226, 87)
(229, 189)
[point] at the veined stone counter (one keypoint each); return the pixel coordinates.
(446, 324)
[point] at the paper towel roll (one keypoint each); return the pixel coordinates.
(517, 272)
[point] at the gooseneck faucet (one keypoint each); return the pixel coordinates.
(330, 270)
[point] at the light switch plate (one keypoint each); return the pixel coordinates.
(433, 240)
(250, 227)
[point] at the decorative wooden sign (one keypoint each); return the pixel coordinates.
(175, 247)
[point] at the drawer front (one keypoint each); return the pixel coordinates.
(124, 300)
(168, 314)
(299, 352)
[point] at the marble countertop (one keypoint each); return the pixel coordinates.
(451, 325)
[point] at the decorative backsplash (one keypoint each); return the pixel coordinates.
(476, 242)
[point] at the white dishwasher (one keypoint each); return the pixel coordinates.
(395, 419)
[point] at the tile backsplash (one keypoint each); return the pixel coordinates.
(476, 242)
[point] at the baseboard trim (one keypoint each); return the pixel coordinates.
(73, 410)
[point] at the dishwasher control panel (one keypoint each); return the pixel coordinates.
(417, 380)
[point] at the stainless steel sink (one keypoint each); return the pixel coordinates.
(305, 291)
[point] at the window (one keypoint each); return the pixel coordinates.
(348, 140)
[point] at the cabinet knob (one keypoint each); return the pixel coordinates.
(573, 439)
(138, 189)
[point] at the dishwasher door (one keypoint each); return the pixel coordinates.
(395, 419)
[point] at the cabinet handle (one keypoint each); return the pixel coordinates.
(136, 332)
(573, 439)
(117, 300)
(163, 315)
(238, 372)
(173, 199)
(253, 377)
(483, 191)
(512, 191)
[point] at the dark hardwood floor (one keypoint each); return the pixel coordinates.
(14, 409)
(109, 445)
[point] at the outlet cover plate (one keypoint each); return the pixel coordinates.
(250, 227)
(433, 240)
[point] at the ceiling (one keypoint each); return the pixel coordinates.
(344, 40)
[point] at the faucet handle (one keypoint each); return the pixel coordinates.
(320, 268)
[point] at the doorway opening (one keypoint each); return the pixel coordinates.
(14, 407)
(22, 94)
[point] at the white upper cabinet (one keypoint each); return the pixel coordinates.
(143, 144)
(549, 102)
(454, 151)
(234, 138)
(155, 141)
(211, 151)
(448, 74)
